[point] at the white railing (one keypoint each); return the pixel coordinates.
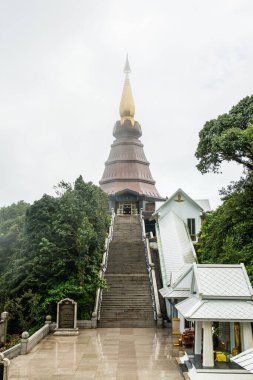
(13, 351)
(151, 271)
(27, 342)
(34, 339)
(103, 267)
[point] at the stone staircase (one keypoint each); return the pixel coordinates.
(127, 300)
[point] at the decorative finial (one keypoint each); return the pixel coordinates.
(127, 68)
(127, 107)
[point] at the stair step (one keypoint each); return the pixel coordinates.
(126, 302)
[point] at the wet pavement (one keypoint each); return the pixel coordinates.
(109, 353)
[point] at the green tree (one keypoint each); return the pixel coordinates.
(227, 138)
(227, 234)
(12, 223)
(63, 245)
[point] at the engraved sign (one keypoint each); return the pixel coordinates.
(66, 318)
(66, 315)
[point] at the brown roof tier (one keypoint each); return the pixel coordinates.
(127, 167)
(141, 188)
(128, 170)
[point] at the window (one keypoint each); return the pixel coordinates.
(192, 228)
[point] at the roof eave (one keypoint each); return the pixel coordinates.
(188, 318)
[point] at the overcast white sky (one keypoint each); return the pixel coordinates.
(61, 79)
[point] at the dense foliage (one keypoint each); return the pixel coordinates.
(227, 234)
(227, 138)
(12, 220)
(54, 251)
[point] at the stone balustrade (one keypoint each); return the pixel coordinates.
(28, 342)
(13, 351)
(152, 275)
(103, 266)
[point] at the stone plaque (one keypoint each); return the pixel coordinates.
(66, 315)
(66, 318)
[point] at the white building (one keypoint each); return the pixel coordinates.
(216, 301)
(178, 221)
(221, 308)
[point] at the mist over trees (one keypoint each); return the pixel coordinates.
(227, 233)
(51, 250)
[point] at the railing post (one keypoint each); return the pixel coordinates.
(48, 322)
(24, 342)
(4, 362)
(4, 322)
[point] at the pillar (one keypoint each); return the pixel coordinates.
(246, 336)
(4, 320)
(197, 338)
(4, 362)
(207, 344)
(24, 343)
(181, 323)
(232, 336)
(176, 326)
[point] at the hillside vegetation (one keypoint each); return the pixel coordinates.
(50, 250)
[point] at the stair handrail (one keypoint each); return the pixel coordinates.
(151, 271)
(103, 267)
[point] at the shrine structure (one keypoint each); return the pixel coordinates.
(127, 178)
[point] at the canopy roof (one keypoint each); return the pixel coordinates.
(218, 293)
(222, 281)
(194, 309)
(245, 359)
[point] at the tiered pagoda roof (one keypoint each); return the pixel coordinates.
(127, 167)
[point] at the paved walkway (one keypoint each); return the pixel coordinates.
(109, 353)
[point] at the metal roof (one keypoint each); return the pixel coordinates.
(175, 248)
(169, 292)
(230, 281)
(195, 308)
(245, 359)
(204, 204)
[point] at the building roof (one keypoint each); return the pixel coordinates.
(222, 281)
(180, 286)
(218, 293)
(169, 292)
(245, 359)
(204, 204)
(175, 247)
(184, 196)
(195, 308)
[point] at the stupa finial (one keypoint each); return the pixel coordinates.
(127, 107)
(127, 68)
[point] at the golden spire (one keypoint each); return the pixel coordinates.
(127, 108)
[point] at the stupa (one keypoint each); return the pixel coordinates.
(127, 178)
